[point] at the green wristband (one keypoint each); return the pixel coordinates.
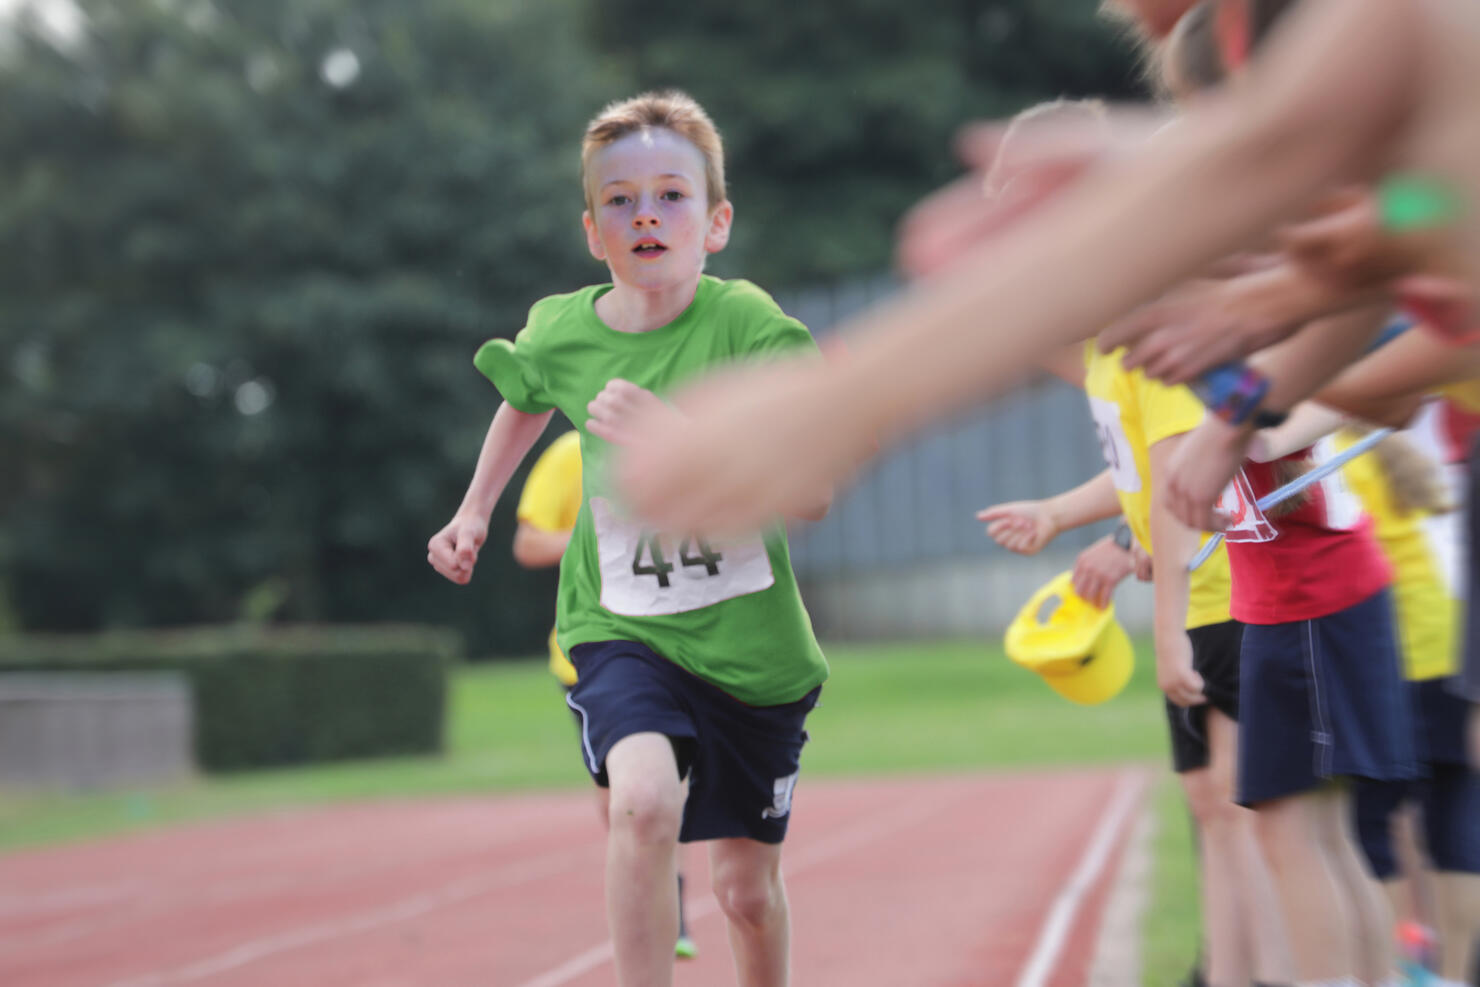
(1408, 203)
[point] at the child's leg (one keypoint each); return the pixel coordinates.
(1317, 915)
(1210, 797)
(1376, 946)
(641, 857)
(684, 948)
(1264, 938)
(1452, 823)
(747, 881)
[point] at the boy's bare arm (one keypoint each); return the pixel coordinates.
(453, 551)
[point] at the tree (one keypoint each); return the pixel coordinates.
(251, 255)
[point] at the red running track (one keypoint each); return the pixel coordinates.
(940, 881)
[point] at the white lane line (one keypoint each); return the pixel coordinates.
(848, 840)
(1060, 921)
(1117, 956)
(415, 906)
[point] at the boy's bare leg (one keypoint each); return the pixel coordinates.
(641, 858)
(747, 881)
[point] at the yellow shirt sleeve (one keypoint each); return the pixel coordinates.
(552, 494)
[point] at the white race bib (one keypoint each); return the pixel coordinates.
(1247, 522)
(1344, 510)
(1115, 445)
(644, 574)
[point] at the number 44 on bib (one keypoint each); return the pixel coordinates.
(647, 574)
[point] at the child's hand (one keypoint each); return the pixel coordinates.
(1145, 568)
(1174, 672)
(1207, 322)
(1023, 526)
(1344, 244)
(453, 551)
(619, 404)
(1205, 461)
(1099, 569)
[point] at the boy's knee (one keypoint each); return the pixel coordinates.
(748, 897)
(647, 813)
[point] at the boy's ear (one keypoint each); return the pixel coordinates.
(719, 227)
(593, 236)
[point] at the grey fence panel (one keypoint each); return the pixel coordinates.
(79, 730)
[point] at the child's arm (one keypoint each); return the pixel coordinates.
(1206, 323)
(453, 551)
(1389, 384)
(536, 548)
(1308, 423)
(1026, 526)
(1173, 545)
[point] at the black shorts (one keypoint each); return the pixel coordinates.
(1215, 656)
(1448, 794)
(742, 761)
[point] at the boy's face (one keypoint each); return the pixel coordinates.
(650, 218)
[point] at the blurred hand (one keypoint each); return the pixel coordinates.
(620, 403)
(1099, 569)
(1145, 570)
(1344, 244)
(1174, 672)
(1201, 467)
(1023, 526)
(453, 551)
(1008, 180)
(753, 444)
(1204, 323)
(1444, 304)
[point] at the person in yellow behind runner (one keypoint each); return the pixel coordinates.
(547, 513)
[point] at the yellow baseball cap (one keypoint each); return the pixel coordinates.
(1081, 651)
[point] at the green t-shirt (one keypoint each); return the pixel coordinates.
(728, 612)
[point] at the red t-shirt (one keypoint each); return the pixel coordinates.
(1321, 559)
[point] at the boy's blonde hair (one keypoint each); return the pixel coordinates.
(669, 110)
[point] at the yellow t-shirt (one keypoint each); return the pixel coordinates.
(1132, 413)
(1427, 613)
(550, 501)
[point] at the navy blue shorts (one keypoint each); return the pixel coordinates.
(741, 761)
(1448, 796)
(1322, 699)
(1215, 656)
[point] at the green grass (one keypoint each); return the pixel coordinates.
(898, 708)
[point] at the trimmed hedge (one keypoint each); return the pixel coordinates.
(268, 696)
